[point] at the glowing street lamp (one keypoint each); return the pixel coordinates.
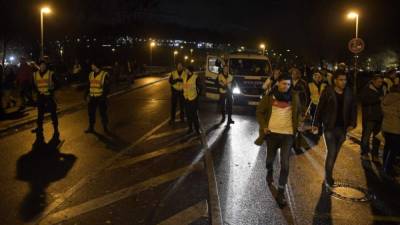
(192, 61)
(186, 57)
(191, 51)
(262, 47)
(43, 10)
(352, 16)
(152, 45)
(175, 54)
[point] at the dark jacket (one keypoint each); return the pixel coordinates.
(370, 99)
(301, 88)
(264, 110)
(327, 109)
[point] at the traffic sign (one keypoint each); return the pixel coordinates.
(356, 45)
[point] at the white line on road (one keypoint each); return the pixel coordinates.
(216, 216)
(166, 134)
(153, 154)
(108, 199)
(188, 215)
(84, 180)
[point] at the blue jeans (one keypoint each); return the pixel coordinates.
(334, 139)
(370, 128)
(285, 143)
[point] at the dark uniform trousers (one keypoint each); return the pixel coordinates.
(101, 103)
(46, 103)
(192, 114)
(225, 104)
(177, 97)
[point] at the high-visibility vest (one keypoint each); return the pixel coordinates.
(189, 87)
(97, 83)
(314, 93)
(222, 80)
(178, 85)
(44, 83)
(389, 82)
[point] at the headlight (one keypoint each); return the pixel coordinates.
(236, 90)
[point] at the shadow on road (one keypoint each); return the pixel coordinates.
(112, 141)
(385, 205)
(322, 212)
(13, 115)
(40, 167)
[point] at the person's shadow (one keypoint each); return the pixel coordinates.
(40, 167)
(322, 212)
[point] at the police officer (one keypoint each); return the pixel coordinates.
(97, 91)
(191, 91)
(175, 79)
(44, 85)
(225, 93)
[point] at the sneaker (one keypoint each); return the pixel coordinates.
(270, 177)
(230, 121)
(280, 199)
(365, 156)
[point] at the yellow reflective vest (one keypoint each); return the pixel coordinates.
(189, 87)
(225, 83)
(175, 76)
(44, 83)
(97, 83)
(314, 93)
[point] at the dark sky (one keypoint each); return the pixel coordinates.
(312, 27)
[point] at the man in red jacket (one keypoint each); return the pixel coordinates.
(24, 83)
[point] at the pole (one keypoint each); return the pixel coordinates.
(41, 35)
(355, 62)
(357, 26)
(151, 56)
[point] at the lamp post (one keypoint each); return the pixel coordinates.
(175, 54)
(262, 47)
(354, 15)
(152, 45)
(43, 10)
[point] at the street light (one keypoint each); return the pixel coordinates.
(262, 47)
(43, 10)
(352, 16)
(191, 51)
(152, 45)
(192, 61)
(175, 54)
(186, 57)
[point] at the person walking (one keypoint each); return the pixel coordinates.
(337, 112)
(370, 98)
(391, 129)
(278, 115)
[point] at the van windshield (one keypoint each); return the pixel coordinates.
(249, 67)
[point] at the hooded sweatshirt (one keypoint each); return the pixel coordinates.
(391, 113)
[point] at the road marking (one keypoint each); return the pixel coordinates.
(111, 198)
(166, 134)
(135, 88)
(216, 217)
(188, 215)
(153, 154)
(84, 180)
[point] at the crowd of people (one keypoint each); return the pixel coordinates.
(324, 104)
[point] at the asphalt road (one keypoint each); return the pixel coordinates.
(149, 172)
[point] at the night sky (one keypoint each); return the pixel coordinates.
(317, 28)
